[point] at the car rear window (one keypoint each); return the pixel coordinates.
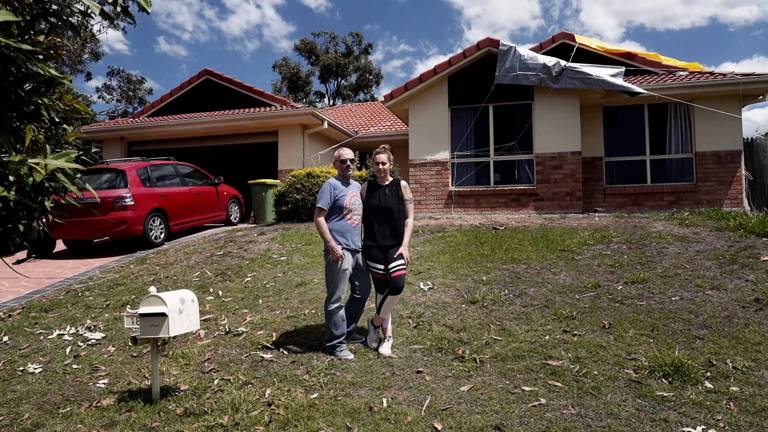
(103, 179)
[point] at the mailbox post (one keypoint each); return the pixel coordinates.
(161, 316)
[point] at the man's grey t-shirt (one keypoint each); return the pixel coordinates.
(344, 215)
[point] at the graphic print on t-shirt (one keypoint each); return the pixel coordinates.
(353, 208)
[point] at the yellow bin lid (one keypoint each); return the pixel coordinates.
(265, 182)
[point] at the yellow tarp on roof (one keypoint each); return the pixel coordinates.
(613, 49)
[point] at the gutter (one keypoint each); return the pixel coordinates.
(89, 131)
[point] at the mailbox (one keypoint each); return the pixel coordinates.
(168, 314)
(162, 315)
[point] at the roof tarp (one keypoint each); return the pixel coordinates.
(613, 49)
(521, 66)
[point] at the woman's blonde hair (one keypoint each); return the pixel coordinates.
(386, 150)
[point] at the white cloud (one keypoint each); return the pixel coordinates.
(114, 42)
(96, 81)
(755, 119)
(317, 5)
(756, 63)
(497, 18)
(188, 20)
(165, 46)
(243, 24)
(610, 19)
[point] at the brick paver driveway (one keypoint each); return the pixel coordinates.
(27, 279)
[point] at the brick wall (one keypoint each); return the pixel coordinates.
(558, 188)
(719, 183)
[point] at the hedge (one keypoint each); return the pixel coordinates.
(296, 198)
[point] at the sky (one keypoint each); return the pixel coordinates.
(242, 38)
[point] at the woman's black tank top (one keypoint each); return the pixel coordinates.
(383, 214)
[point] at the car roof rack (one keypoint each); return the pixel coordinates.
(137, 159)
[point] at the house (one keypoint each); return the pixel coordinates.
(242, 133)
(467, 144)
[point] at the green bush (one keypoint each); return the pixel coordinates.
(295, 199)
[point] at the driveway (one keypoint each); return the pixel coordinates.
(22, 280)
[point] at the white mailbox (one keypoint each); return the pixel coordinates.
(168, 314)
(162, 315)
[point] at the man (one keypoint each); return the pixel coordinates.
(338, 218)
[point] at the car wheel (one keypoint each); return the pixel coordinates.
(78, 245)
(43, 246)
(155, 229)
(234, 212)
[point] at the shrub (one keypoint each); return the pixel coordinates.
(295, 199)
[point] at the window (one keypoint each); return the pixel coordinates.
(165, 175)
(143, 174)
(103, 179)
(192, 176)
(648, 144)
(492, 145)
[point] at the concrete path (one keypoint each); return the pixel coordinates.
(27, 279)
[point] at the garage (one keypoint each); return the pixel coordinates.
(237, 163)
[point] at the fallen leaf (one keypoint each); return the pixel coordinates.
(708, 385)
(664, 394)
(466, 388)
(554, 383)
(606, 324)
(541, 401)
(383, 402)
(524, 388)
(569, 410)
(314, 395)
(555, 362)
(764, 258)
(437, 425)
(734, 389)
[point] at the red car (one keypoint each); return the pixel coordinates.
(140, 197)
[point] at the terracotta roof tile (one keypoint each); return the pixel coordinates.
(202, 115)
(687, 77)
(365, 118)
(206, 72)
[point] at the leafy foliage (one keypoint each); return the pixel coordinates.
(296, 198)
(40, 152)
(125, 92)
(341, 65)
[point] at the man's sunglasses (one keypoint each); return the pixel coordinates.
(346, 161)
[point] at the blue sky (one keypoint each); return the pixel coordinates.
(242, 38)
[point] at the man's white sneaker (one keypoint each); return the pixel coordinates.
(373, 335)
(385, 348)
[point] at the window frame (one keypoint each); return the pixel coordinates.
(491, 158)
(184, 180)
(648, 157)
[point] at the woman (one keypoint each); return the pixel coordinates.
(387, 228)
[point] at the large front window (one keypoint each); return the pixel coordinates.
(648, 144)
(492, 145)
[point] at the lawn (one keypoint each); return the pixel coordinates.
(547, 323)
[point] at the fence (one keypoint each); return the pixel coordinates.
(756, 166)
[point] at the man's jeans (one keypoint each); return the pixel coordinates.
(341, 319)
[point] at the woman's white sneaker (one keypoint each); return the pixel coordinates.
(385, 348)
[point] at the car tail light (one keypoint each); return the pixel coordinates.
(124, 200)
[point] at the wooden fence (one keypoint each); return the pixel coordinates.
(756, 166)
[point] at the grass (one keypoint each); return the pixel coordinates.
(741, 222)
(617, 326)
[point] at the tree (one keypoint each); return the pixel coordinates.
(342, 67)
(125, 93)
(41, 47)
